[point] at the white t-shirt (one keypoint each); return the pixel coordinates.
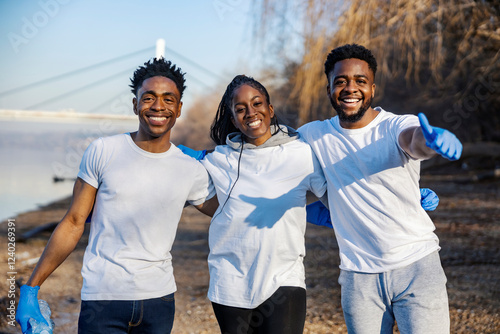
(257, 240)
(139, 202)
(373, 193)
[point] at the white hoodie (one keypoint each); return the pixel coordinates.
(256, 237)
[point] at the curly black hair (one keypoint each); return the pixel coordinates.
(349, 51)
(222, 125)
(158, 67)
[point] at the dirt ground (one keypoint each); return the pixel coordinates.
(467, 223)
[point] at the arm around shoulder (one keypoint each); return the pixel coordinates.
(209, 207)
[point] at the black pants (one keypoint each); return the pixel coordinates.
(283, 313)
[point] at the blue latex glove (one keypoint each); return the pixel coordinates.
(28, 307)
(318, 214)
(429, 199)
(440, 140)
(198, 155)
(89, 218)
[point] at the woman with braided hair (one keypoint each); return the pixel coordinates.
(262, 171)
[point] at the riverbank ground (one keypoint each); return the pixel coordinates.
(467, 224)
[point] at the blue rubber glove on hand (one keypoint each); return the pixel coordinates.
(198, 155)
(440, 140)
(318, 214)
(28, 307)
(429, 199)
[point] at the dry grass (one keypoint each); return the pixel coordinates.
(434, 45)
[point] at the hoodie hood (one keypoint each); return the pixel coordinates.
(281, 136)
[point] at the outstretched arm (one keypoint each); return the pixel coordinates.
(425, 141)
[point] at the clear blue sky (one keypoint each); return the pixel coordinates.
(46, 38)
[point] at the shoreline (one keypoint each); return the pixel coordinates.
(50, 209)
(38, 207)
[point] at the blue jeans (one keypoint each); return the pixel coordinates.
(152, 316)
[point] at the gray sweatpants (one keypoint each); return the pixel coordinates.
(415, 296)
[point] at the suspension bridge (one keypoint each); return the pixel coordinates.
(195, 74)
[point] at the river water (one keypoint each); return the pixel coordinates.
(34, 151)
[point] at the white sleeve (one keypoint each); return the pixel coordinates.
(90, 166)
(317, 179)
(304, 131)
(203, 188)
(400, 123)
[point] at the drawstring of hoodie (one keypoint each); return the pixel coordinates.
(234, 184)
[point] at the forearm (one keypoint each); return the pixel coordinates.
(209, 207)
(62, 242)
(412, 141)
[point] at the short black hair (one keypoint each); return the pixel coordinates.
(158, 67)
(350, 51)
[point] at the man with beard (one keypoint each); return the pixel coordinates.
(390, 266)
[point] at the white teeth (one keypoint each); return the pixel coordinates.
(254, 123)
(159, 119)
(351, 100)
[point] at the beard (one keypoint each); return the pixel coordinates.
(343, 117)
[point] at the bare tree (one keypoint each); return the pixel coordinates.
(193, 129)
(440, 56)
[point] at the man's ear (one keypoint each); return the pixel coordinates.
(328, 89)
(134, 103)
(373, 90)
(180, 108)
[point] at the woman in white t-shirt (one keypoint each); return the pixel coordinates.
(262, 172)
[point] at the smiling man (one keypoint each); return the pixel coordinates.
(137, 185)
(351, 90)
(390, 266)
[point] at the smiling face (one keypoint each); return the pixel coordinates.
(252, 114)
(158, 105)
(351, 89)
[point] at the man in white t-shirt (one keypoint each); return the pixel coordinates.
(137, 185)
(390, 267)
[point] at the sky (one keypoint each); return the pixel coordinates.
(105, 41)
